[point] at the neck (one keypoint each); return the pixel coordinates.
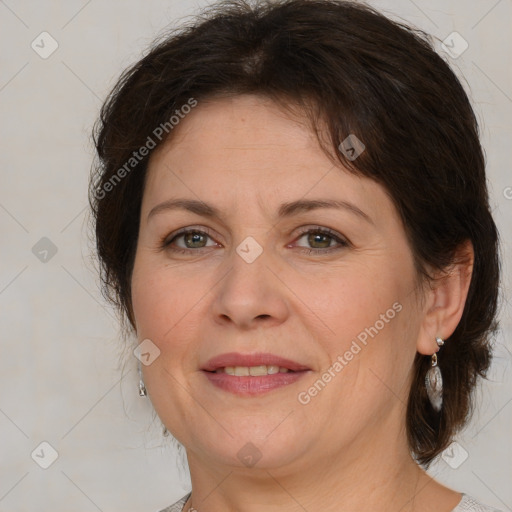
(362, 476)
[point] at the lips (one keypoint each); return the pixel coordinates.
(252, 374)
(234, 359)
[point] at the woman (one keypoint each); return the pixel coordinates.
(291, 210)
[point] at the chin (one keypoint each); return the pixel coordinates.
(261, 446)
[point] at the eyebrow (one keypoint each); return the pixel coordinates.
(285, 209)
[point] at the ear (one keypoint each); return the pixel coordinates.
(445, 299)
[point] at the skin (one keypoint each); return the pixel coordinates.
(346, 449)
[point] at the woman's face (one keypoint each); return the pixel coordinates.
(272, 274)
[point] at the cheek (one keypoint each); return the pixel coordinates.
(158, 301)
(365, 322)
(168, 304)
(352, 302)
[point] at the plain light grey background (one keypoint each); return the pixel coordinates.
(64, 379)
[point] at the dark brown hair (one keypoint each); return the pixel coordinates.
(356, 72)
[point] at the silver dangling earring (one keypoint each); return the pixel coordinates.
(142, 386)
(434, 381)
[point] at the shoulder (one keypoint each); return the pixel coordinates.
(469, 504)
(178, 506)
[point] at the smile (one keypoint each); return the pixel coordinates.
(252, 374)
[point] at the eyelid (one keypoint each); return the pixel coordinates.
(321, 229)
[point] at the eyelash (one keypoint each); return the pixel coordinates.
(343, 243)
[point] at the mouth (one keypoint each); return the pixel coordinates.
(252, 374)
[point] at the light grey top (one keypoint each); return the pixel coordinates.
(466, 504)
(178, 506)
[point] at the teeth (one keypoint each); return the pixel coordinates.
(258, 370)
(244, 371)
(241, 371)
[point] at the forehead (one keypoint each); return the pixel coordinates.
(245, 149)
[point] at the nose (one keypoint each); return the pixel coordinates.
(251, 294)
